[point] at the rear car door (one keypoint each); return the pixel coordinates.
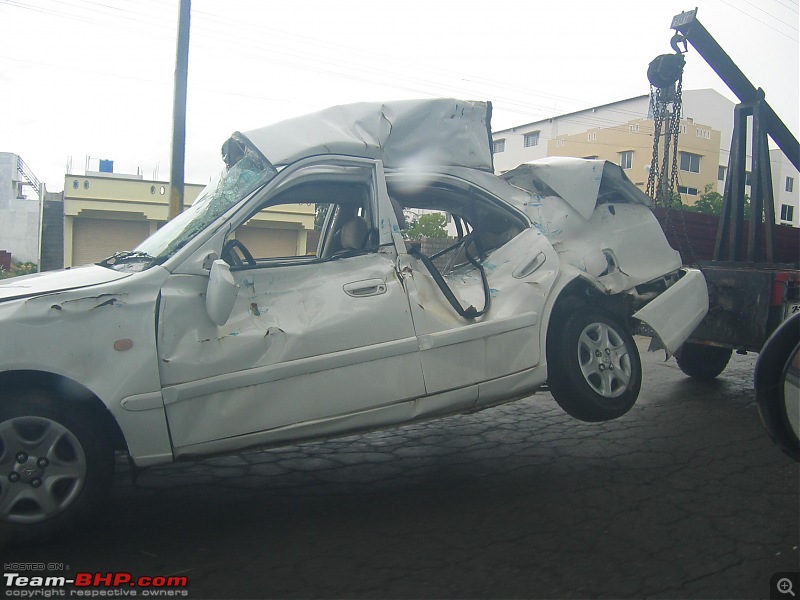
(499, 334)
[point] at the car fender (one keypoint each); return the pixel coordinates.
(102, 338)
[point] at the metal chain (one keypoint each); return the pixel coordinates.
(674, 127)
(664, 195)
(657, 108)
(677, 109)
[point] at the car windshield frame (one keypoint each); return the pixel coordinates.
(227, 189)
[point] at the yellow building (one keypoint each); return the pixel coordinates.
(630, 145)
(106, 213)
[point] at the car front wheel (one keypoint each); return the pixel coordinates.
(55, 468)
(594, 368)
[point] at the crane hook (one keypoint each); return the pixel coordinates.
(677, 39)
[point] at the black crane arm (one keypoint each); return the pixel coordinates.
(687, 24)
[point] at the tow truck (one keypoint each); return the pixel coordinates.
(753, 276)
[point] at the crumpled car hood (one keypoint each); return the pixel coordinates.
(56, 281)
(582, 183)
(405, 133)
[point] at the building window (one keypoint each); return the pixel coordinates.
(689, 191)
(531, 139)
(592, 137)
(790, 185)
(690, 162)
(626, 159)
(683, 129)
(499, 146)
(721, 173)
(787, 212)
(747, 178)
(633, 129)
(703, 133)
(559, 143)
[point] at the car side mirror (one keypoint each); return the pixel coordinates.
(221, 293)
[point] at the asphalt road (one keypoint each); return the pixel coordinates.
(684, 497)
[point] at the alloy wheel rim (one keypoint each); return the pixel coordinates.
(42, 469)
(604, 360)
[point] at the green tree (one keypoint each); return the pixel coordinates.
(710, 203)
(429, 225)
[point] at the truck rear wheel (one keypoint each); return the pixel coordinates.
(701, 361)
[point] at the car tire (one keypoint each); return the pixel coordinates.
(701, 361)
(55, 467)
(775, 381)
(594, 368)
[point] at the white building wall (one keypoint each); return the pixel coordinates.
(19, 217)
(782, 170)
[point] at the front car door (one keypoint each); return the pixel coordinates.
(320, 338)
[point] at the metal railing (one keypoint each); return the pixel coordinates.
(28, 175)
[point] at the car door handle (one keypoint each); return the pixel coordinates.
(523, 271)
(368, 287)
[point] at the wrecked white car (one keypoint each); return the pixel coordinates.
(202, 340)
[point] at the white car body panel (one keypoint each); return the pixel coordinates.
(73, 334)
(502, 342)
(674, 314)
(295, 349)
(407, 133)
(56, 281)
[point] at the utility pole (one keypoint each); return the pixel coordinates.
(179, 112)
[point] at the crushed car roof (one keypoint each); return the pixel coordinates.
(405, 133)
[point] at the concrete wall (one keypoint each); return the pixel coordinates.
(19, 217)
(53, 232)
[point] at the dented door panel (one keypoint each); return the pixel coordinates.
(458, 351)
(299, 345)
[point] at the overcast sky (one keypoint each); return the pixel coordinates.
(94, 78)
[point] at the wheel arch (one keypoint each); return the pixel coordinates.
(68, 390)
(580, 292)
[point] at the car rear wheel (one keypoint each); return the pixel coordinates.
(702, 362)
(594, 368)
(55, 469)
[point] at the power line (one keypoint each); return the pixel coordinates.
(792, 8)
(759, 20)
(770, 15)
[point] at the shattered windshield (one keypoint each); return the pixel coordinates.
(233, 184)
